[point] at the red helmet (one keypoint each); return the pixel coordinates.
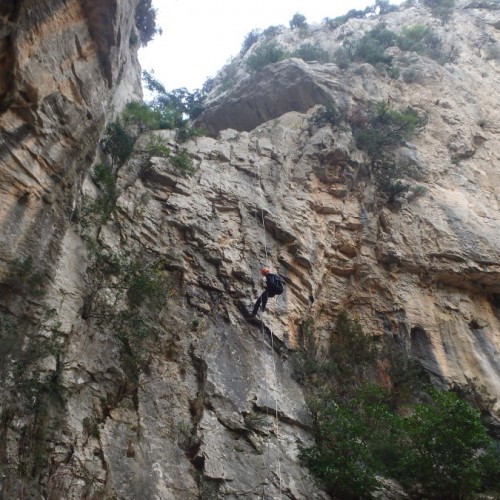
(265, 271)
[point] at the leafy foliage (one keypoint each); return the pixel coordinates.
(336, 22)
(145, 117)
(183, 162)
(384, 6)
(438, 449)
(418, 38)
(441, 9)
(178, 101)
(340, 459)
(309, 52)
(385, 132)
(117, 143)
(350, 351)
(423, 40)
(127, 290)
(449, 453)
(372, 45)
(156, 147)
(167, 110)
(250, 39)
(145, 20)
(266, 53)
(271, 31)
(98, 210)
(23, 276)
(344, 55)
(328, 113)
(388, 129)
(298, 21)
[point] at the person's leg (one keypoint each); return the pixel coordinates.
(264, 300)
(257, 305)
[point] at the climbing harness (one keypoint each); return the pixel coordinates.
(276, 412)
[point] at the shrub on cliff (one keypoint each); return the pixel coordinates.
(145, 20)
(329, 113)
(385, 131)
(266, 53)
(334, 23)
(441, 9)
(167, 110)
(183, 162)
(144, 116)
(371, 47)
(117, 143)
(250, 39)
(298, 21)
(418, 38)
(309, 52)
(178, 102)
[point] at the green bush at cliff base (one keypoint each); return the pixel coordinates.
(448, 453)
(437, 449)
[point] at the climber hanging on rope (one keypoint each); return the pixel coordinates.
(274, 286)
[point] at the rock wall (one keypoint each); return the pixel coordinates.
(66, 68)
(217, 411)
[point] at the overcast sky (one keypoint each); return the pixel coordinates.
(200, 36)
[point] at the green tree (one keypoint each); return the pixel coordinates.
(250, 39)
(334, 23)
(145, 20)
(441, 9)
(341, 459)
(298, 21)
(309, 52)
(371, 47)
(421, 39)
(387, 130)
(117, 143)
(329, 113)
(449, 452)
(385, 6)
(266, 53)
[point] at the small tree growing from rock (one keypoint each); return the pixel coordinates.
(298, 21)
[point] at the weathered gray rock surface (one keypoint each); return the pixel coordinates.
(218, 412)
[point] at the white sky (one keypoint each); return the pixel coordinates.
(200, 36)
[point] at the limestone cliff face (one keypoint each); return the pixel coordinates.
(216, 412)
(66, 68)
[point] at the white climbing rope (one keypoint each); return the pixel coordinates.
(276, 412)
